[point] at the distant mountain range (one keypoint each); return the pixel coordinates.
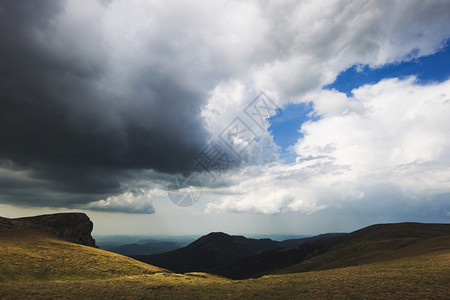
(146, 247)
(39, 259)
(238, 257)
(217, 250)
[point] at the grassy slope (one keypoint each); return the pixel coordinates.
(368, 245)
(420, 277)
(370, 252)
(36, 266)
(28, 255)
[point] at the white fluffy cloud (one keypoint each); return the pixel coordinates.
(306, 44)
(390, 123)
(389, 142)
(132, 203)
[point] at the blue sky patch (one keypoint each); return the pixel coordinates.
(285, 127)
(432, 68)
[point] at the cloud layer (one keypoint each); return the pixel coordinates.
(93, 95)
(387, 147)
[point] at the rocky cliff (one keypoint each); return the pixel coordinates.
(71, 227)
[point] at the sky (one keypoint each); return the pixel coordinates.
(247, 117)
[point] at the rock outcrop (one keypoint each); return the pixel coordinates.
(71, 227)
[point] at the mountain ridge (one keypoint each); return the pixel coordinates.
(217, 249)
(412, 262)
(373, 239)
(71, 227)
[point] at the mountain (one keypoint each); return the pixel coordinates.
(146, 247)
(295, 242)
(368, 245)
(35, 264)
(209, 252)
(107, 242)
(216, 250)
(71, 227)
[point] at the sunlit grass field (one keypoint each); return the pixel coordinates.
(30, 256)
(422, 277)
(37, 267)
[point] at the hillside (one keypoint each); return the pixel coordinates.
(368, 245)
(295, 242)
(29, 255)
(415, 277)
(370, 252)
(37, 265)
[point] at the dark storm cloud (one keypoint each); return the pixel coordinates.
(100, 101)
(62, 121)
